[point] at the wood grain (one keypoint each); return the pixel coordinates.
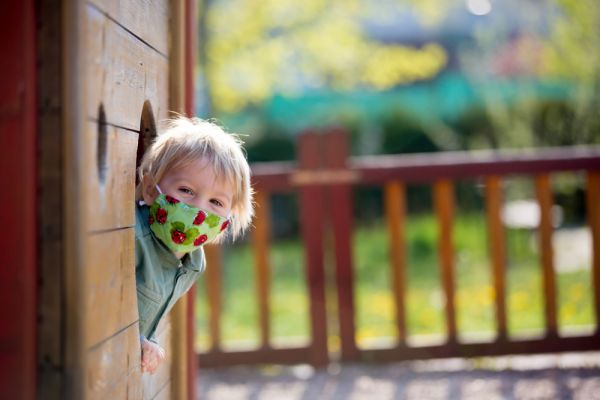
(493, 202)
(152, 385)
(593, 217)
(544, 197)
(148, 20)
(214, 288)
(113, 369)
(444, 207)
(122, 73)
(262, 271)
(112, 202)
(110, 277)
(395, 206)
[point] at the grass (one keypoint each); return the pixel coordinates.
(375, 310)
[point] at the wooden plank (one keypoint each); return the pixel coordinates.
(165, 392)
(340, 211)
(444, 206)
(188, 82)
(593, 215)
(260, 242)
(214, 286)
(290, 356)
(122, 73)
(111, 303)
(473, 164)
(75, 199)
(493, 198)
(311, 202)
(395, 206)
(153, 384)
(113, 199)
(544, 197)
(468, 350)
(50, 345)
(113, 368)
(148, 20)
(177, 88)
(128, 388)
(178, 349)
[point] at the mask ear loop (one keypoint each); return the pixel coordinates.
(142, 202)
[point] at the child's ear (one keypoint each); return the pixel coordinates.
(149, 192)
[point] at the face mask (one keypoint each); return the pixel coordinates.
(183, 228)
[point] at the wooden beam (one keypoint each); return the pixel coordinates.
(593, 216)
(311, 201)
(493, 202)
(260, 240)
(444, 207)
(340, 212)
(544, 197)
(395, 206)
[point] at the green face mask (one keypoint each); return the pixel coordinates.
(181, 227)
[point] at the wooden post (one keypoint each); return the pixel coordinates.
(444, 205)
(260, 240)
(395, 206)
(544, 196)
(342, 224)
(493, 197)
(189, 79)
(74, 197)
(593, 215)
(177, 102)
(311, 219)
(214, 286)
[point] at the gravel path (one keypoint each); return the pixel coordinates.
(564, 376)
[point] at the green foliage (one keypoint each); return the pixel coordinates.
(475, 129)
(404, 134)
(272, 147)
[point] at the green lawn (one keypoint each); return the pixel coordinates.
(424, 299)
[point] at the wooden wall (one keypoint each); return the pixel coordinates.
(117, 65)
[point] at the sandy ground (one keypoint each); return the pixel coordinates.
(561, 376)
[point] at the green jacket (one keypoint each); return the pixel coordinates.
(161, 278)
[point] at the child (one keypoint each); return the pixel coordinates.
(194, 189)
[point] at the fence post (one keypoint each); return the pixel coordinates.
(593, 215)
(341, 224)
(311, 217)
(493, 200)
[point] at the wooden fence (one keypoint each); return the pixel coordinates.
(324, 179)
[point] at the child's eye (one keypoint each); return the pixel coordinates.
(217, 202)
(186, 190)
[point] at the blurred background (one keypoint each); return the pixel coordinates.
(402, 77)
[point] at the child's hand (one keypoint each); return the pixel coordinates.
(152, 356)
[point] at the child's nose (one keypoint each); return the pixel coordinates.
(204, 204)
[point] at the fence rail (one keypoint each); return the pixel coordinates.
(324, 178)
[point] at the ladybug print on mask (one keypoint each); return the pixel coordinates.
(182, 227)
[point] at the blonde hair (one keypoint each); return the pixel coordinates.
(185, 140)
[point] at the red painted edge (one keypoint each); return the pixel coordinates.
(18, 183)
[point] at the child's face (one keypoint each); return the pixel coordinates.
(196, 185)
